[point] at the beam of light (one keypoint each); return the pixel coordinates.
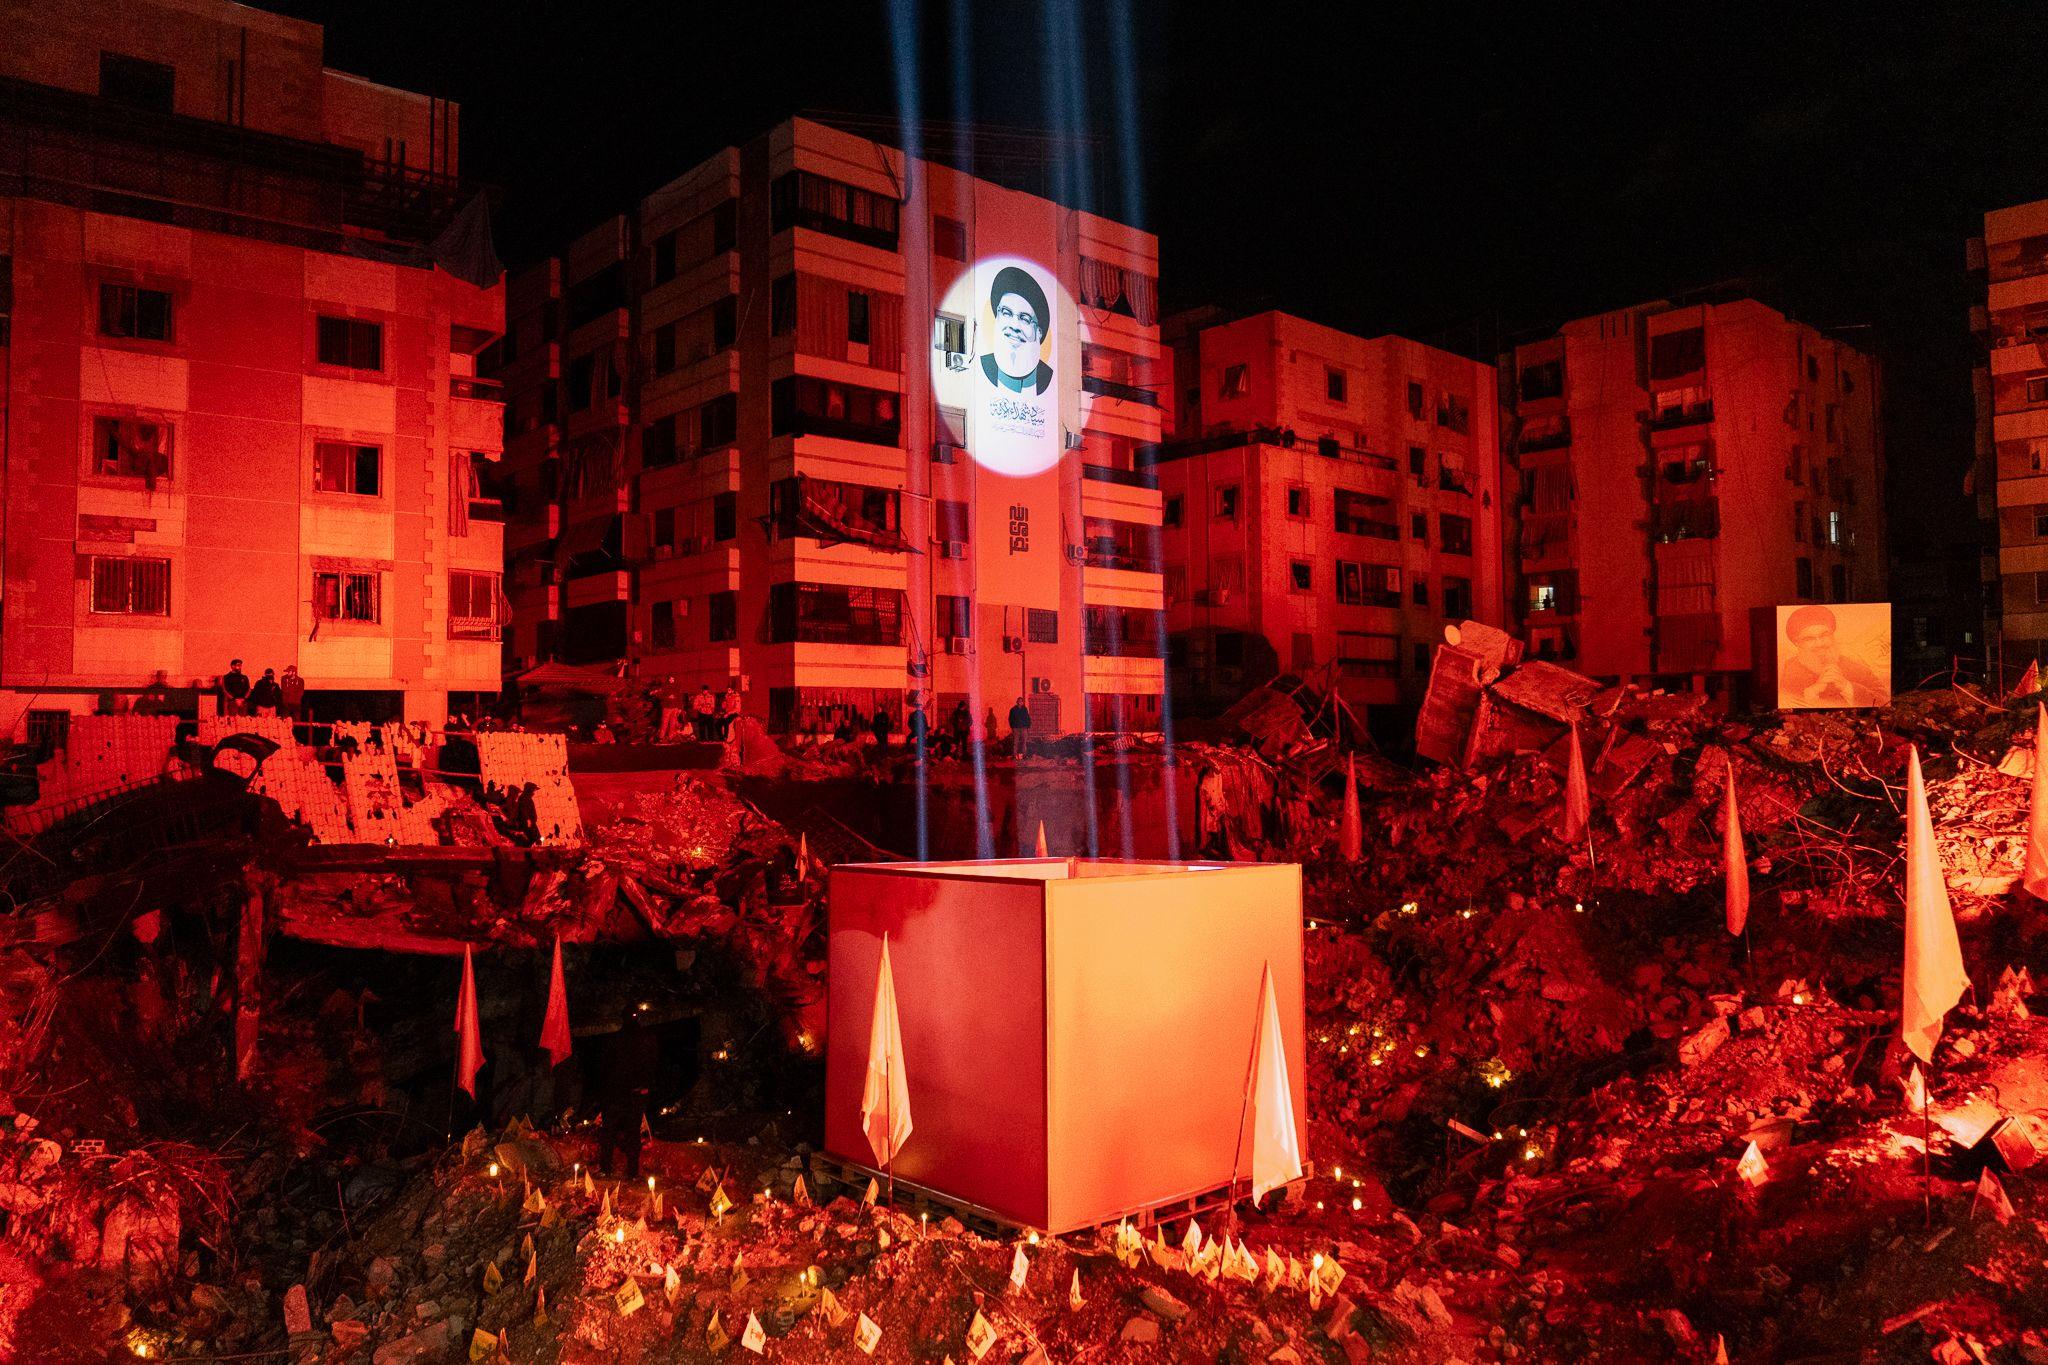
(904, 44)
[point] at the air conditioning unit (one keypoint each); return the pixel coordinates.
(944, 452)
(957, 644)
(1075, 440)
(1041, 684)
(956, 361)
(952, 549)
(1214, 597)
(1013, 644)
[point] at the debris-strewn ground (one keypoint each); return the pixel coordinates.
(1558, 1113)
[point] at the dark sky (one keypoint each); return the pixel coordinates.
(1465, 175)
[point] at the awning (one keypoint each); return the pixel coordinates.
(597, 678)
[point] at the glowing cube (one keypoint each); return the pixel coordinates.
(1076, 1033)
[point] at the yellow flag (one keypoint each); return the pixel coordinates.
(494, 1279)
(671, 1283)
(589, 1188)
(714, 1334)
(482, 1345)
(829, 1305)
(867, 1334)
(800, 1195)
(981, 1334)
(754, 1338)
(532, 1268)
(721, 1202)
(540, 1306)
(629, 1298)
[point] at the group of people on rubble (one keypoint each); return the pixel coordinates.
(515, 811)
(959, 736)
(269, 695)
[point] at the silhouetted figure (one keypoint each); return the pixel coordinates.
(883, 725)
(234, 689)
(265, 696)
(291, 693)
(915, 726)
(962, 725)
(624, 1080)
(1020, 728)
(526, 815)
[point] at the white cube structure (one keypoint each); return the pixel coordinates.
(1077, 1033)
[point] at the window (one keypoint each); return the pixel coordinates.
(951, 521)
(665, 258)
(1813, 369)
(130, 311)
(1834, 528)
(2041, 589)
(1042, 626)
(1368, 585)
(351, 343)
(718, 422)
(661, 623)
(1371, 654)
(1120, 632)
(582, 379)
(801, 405)
(1418, 465)
(949, 334)
(472, 605)
(949, 238)
(1297, 500)
(1420, 654)
(1544, 379)
(1799, 521)
(1676, 354)
(1418, 526)
(1803, 576)
(664, 531)
(346, 595)
(782, 305)
(2037, 389)
(1415, 399)
(131, 448)
(722, 616)
(2041, 521)
(1236, 380)
(1421, 592)
(856, 317)
(1173, 511)
(1335, 384)
(1454, 413)
(136, 83)
(725, 223)
(593, 296)
(1457, 598)
(49, 732)
(834, 614)
(807, 200)
(1226, 502)
(1457, 538)
(725, 516)
(1838, 582)
(131, 586)
(339, 467)
(665, 348)
(1301, 576)
(658, 443)
(725, 322)
(1542, 597)
(952, 617)
(1365, 514)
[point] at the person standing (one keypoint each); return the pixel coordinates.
(915, 726)
(266, 696)
(1020, 729)
(728, 711)
(623, 1085)
(234, 690)
(883, 725)
(291, 693)
(703, 711)
(962, 726)
(526, 815)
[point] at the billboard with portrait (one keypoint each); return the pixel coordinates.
(1834, 656)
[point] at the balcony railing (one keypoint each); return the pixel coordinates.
(486, 509)
(1692, 414)
(467, 386)
(473, 628)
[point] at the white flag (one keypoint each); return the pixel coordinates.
(1934, 976)
(885, 1100)
(1276, 1146)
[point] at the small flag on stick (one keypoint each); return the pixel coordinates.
(1276, 1145)
(1934, 976)
(554, 1027)
(1351, 832)
(1737, 870)
(885, 1100)
(1040, 847)
(469, 1056)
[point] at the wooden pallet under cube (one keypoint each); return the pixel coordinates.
(1076, 1033)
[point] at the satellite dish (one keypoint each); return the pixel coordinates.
(1452, 635)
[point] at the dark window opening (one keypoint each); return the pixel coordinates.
(351, 343)
(130, 311)
(137, 83)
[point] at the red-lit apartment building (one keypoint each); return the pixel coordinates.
(238, 396)
(1680, 465)
(1327, 499)
(757, 436)
(2011, 470)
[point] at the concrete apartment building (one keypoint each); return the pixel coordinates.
(1679, 466)
(761, 434)
(238, 395)
(2011, 469)
(1327, 499)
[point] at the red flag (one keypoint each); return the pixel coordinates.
(1737, 865)
(1351, 834)
(2030, 681)
(1934, 978)
(2035, 875)
(469, 1057)
(554, 1026)
(885, 1098)
(1578, 804)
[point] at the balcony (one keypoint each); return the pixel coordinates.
(1691, 414)
(473, 628)
(1129, 478)
(487, 509)
(1555, 435)
(1111, 388)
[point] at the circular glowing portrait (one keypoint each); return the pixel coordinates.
(996, 365)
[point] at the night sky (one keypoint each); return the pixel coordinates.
(1469, 176)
